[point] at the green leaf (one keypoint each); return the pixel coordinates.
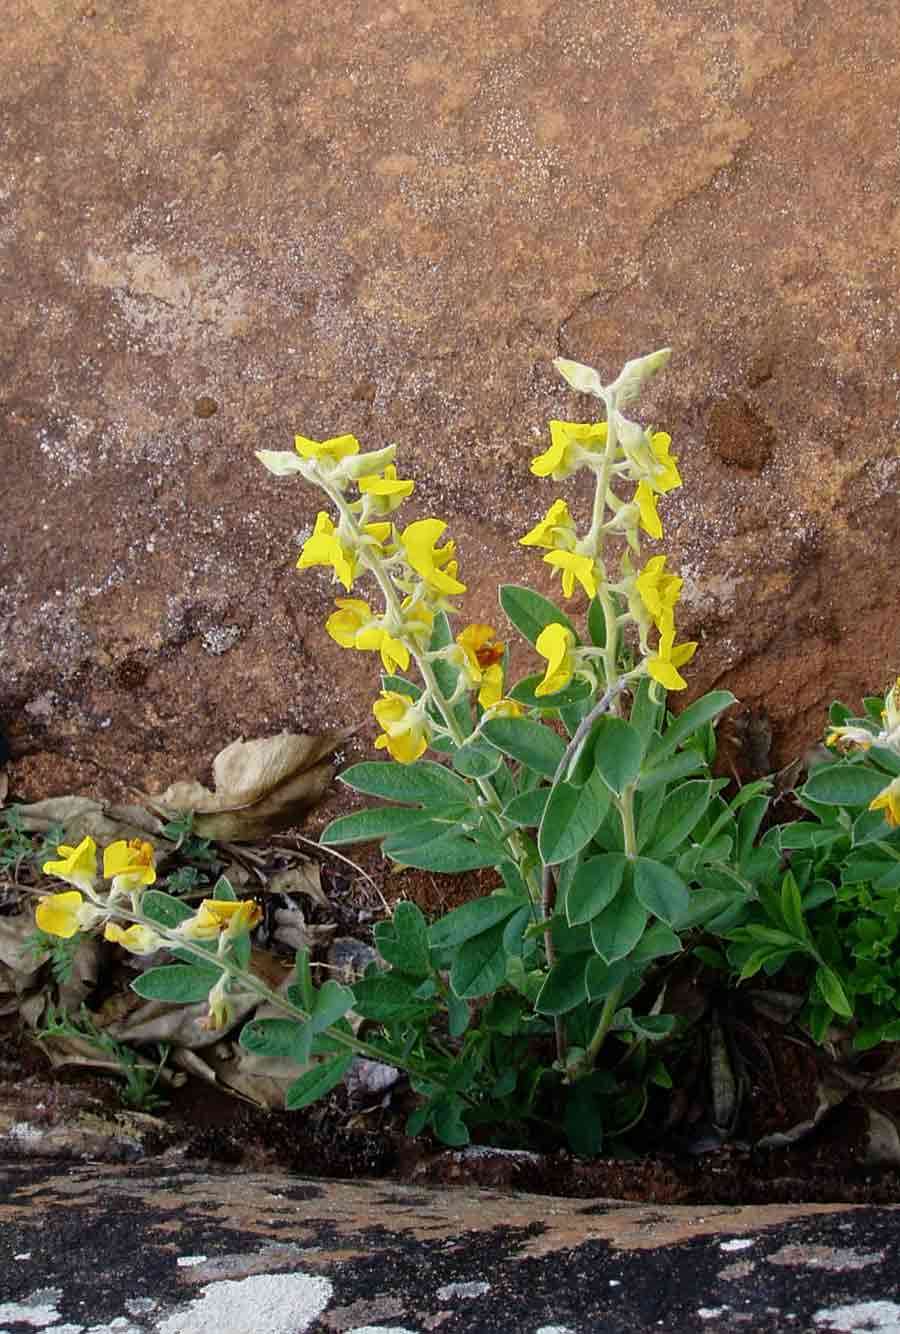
(403, 941)
(448, 1123)
(842, 785)
(886, 759)
(477, 759)
(682, 809)
(332, 1003)
(177, 983)
(531, 743)
(401, 686)
(657, 941)
(529, 612)
(318, 1081)
(278, 1039)
(749, 821)
(571, 819)
(471, 919)
(757, 960)
(691, 719)
(618, 928)
(424, 782)
(222, 890)
(387, 997)
(446, 852)
(377, 822)
(833, 994)
(564, 987)
(479, 966)
(164, 909)
(668, 770)
(527, 809)
(646, 712)
(617, 750)
(792, 907)
(602, 978)
(660, 889)
(596, 623)
(574, 693)
(597, 882)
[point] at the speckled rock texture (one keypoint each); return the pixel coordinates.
(221, 225)
(163, 1250)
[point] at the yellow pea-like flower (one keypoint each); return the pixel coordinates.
(406, 728)
(436, 565)
(556, 643)
(326, 548)
(328, 451)
(77, 866)
(645, 499)
(129, 865)
(663, 665)
(137, 938)
(574, 567)
(888, 800)
(571, 445)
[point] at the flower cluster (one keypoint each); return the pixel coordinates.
(854, 737)
(416, 572)
(616, 451)
(129, 868)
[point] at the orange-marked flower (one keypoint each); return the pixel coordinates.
(129, 865)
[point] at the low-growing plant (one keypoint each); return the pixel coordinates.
(834, 918)
(140, 1079)
(540, 1007)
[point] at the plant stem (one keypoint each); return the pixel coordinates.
(607, 1014)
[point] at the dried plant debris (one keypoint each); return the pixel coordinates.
(261, 787)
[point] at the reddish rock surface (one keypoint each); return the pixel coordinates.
(220, 228)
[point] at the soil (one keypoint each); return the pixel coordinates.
(697, 1164)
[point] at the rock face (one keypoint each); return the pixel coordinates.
(388, 219)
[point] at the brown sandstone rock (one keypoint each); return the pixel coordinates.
(388, 219)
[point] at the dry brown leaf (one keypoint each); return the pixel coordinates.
(4, 786)
(261, 786)
(181, 1025)
(81, 817)
(305, 878)
(882, 1140)
(827, 1095)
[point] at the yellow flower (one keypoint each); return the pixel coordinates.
(483, 661)
(220, 1012)
(328, 451)
(418, 618)
(663, 665)
(555, 531)
(233, 915)
(556, 643)
(406, 729)
(129, 865)
(352, 615)
(665, 475)
(491, 687)
(394, 652)
(846, 739)
(574, 567)
(888, 800)
(137, 939)
(388, 492)
(658, 591)
(571, 446)
(645, 500)
(435, 565)
(505, 708)
(325, 548)
(78, 866)
(66, 914)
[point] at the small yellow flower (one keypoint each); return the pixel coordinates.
(888, 800)
(137, 939)
(483, 655)
(556, 643)
(436, 565)
(220, 1013)
(328, 451)
(406, 729)
(658, 591)
(418, 619)
(129, 865)
(326, 548)
(556, 530)
(847, 739)
(663, 665)
(574, 567)
(214, 915)
(394, 652)
(505, 708)
(665, 475)
(352, 615)
(77, 866)
(388, 492)
(645, 499)
(64, 915)
(571, 446)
